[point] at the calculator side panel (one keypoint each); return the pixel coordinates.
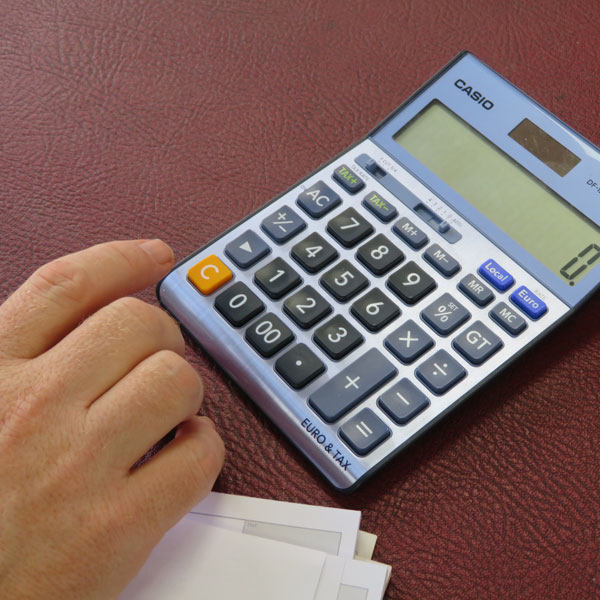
(289, 409)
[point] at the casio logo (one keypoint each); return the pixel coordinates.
(476, 96)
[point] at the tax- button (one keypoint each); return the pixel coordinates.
(528, 302)
(209, 274)
(496, 275)
(352, 385)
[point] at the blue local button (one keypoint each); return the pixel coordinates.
(528, 302)
(496, 275)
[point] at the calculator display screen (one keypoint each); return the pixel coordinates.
(538, 219)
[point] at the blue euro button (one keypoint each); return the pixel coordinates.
(528, 302)
(491, 271)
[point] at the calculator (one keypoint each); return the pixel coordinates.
(366, 302)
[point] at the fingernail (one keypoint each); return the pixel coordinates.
(160, 252)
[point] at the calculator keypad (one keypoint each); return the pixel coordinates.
(508, 319)
(348, 179)
(343, 309)
(318, 200)
(209, 275)
(283, 225)
(247, 249)
(353, 384)
(403, 401)
(299, 366)
(477, 343)
(408, 342)
(364, 432)
(445, 315)
(440, 372)
(380, 207)
(416, 238)
(441, 260)
(479, 293)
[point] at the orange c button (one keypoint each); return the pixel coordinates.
(209, 274)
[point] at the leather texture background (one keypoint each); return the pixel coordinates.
(176, 118)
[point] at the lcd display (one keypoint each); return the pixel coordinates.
(537, 218)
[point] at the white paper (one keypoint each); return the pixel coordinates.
(234, 547)
(344, 579)
(194, 561)
(331, 530)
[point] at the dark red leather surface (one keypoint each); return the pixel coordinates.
(176, 118)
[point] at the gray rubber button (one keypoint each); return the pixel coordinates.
(364, 432)
(440, 372)
(247, 249)
(445, 314)
(474, 289)
(408, 342)
(283, 225)
(477, 343)
(352, 385)
(508, 319)
(403, 401)
(439, 259)
(410, 233)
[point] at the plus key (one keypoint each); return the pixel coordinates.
(352, 385)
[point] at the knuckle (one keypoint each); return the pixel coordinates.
(179, 372)
(62, 280)
(151, 319)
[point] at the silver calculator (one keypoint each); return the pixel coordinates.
(363, 304)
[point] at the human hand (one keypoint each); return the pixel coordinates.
(80, 403)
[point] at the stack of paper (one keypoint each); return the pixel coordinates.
(234, 547)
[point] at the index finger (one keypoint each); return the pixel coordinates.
(63, 292)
